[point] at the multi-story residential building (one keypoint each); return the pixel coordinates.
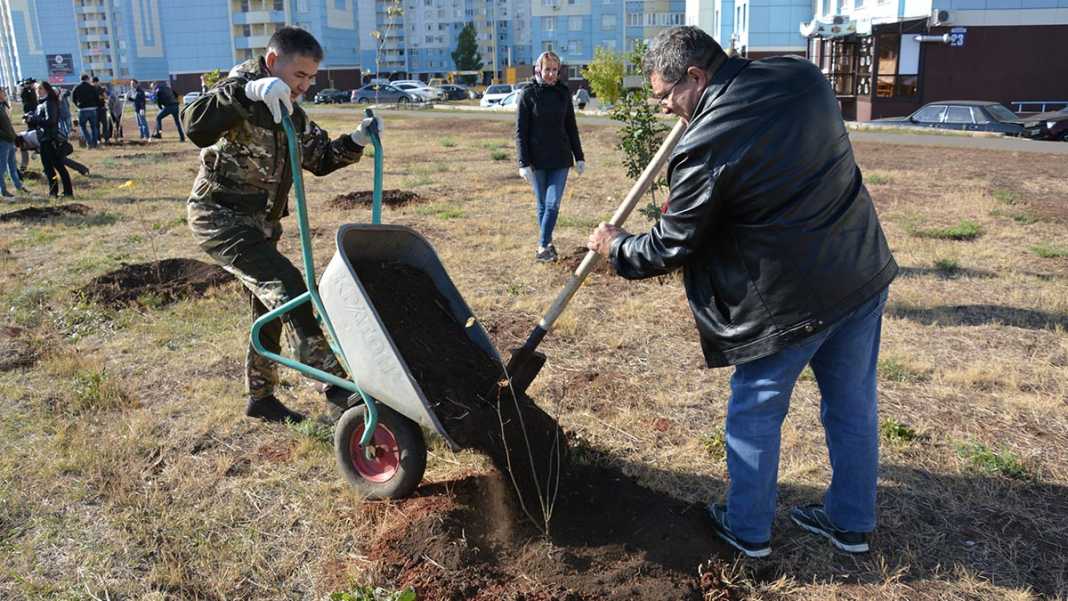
(754, 28)
(889, 57)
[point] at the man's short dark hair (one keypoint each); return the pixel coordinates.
(96, 79)
(675, 50)
(85, 78)
(294, 40)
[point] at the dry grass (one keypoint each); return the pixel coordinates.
(126, 469)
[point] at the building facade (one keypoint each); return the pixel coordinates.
(890, 57)
(754, 28)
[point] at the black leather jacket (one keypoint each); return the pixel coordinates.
(768, 217)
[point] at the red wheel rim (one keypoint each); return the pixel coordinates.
(385, 451)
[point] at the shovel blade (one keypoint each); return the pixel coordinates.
(523, 367)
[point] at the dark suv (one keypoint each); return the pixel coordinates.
(331, 96)
(1048, 126)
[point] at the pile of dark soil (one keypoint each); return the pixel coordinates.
(364, 198)
(163, 281)
(43, 213)
(463, 383)
(610, 538)
(16, 350)
(571, 261)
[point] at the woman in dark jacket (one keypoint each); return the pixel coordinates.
(547, 145)
(46, 121)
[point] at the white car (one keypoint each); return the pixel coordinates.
(494, 94)
(422, 90)
(190, 97)
(509, 102)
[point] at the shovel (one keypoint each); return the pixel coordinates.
(526, 361)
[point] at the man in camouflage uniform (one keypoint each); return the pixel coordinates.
(241, 194)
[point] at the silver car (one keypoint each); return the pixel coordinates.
(376, 92)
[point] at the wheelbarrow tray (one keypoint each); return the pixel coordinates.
(369, 349)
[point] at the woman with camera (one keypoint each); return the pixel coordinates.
(54, 146)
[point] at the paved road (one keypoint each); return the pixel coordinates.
(942, 141)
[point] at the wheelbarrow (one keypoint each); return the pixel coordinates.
(378, 441)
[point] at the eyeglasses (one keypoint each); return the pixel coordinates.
(660, 99)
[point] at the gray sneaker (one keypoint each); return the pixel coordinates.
(814, 519)
(718, 514)
(552, 251)
(544, 255)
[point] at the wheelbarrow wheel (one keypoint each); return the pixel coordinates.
(397, 459)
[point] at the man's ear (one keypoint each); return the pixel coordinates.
(699, 74)
(271, 59)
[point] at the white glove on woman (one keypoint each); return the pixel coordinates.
(580, 167)
(527, 173)
(273, 92)
(362, 135)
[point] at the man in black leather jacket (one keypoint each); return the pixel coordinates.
(785, 265)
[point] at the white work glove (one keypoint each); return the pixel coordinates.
(580, 167)
(527, 174)
(273, 92)
(362, 135)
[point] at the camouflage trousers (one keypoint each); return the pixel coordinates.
(247, 246)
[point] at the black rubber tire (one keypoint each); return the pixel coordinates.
(410, 442)
(363, 100)
(403, 100)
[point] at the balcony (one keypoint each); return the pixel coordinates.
(252, 41)
(96, 37)
(259, 16)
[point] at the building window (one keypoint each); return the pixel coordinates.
(634, 19)
(609, 44)
(548, 23)
(574, 47)
(546, 46)
(608, 22)
(897, 65)
(574, 23)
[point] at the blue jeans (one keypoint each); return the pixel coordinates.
(142, 123)
(8, 165)
(172, 110)
(90, 124)
(843, 358)
(548, 187)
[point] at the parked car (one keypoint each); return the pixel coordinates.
(455, 92)
(331, 96)
(1048, 126)
(190, 97)
(418, 89)
(964, 115)
(377, 92)
(495, 94)
(509, 102)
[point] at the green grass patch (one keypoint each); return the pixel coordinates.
(715, 445)
(313, 430)
(989, 461)
(1021, 216)
(93, 390)
(963, 231)
(893, 370)
(577, 221)
(494, 145)
(440, 211)
(1048, 250)
(1007, 197)
(366, 593)
(877, 179)
(498, 155)
(418, 180)
(947, 267)
(448, 143)
(896, 432)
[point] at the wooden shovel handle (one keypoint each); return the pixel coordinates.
(640, 187)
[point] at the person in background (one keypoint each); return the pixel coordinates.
(26, 142)
(102, 110)
(581, 98)
(7, 148)
(28, 96)
(46, 121)
(137, 96)
(167, 102)
(65, 121)
(547, 145)
(85, 97)
(116, 103)
(785, 265)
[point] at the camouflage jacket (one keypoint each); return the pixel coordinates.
(244, 164)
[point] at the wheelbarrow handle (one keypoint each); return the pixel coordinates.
(640, 187)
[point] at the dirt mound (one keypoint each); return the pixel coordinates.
(32, 176)
(163, 282)
(570, 261)
(610, 538)
(15, 349)
(364, 198)
(42, 213)
(461, 382)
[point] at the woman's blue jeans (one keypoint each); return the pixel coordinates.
(843, 358)
(8, 165)
(142, 123)
(548, 187)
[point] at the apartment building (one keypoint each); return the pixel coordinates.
(754, 28)
(889, 57)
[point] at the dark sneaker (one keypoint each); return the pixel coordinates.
(718, 513)
(544, 256)
(552, 251)
(814, 519)
(270, 409)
